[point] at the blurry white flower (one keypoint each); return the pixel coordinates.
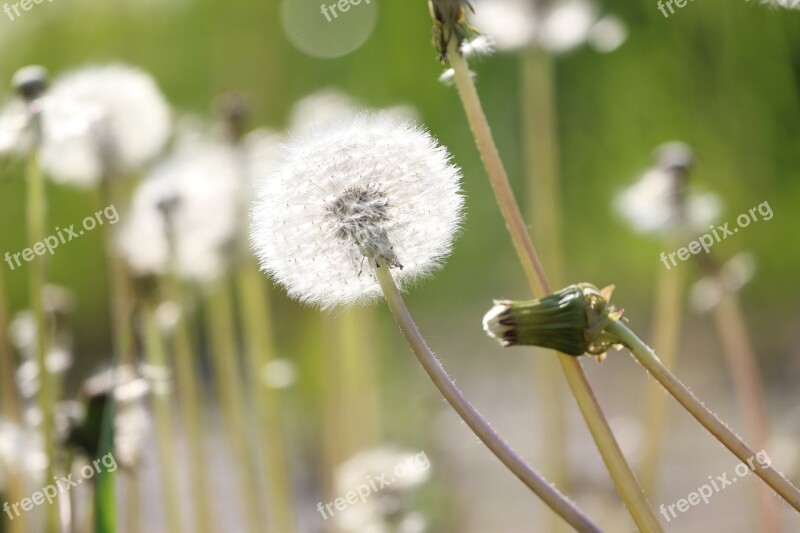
(120, 121)
(349, 193)
(787, 4)
(21, 451)
(608, 34)
(733, 275)
(278, 374)
(184, 214)
(387, 509)
(94, 122)
(659, 201)
(556, 27)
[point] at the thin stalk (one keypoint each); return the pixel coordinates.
(358, 380)
(156, 357)
(191, 406)
(120, 293)
(540, 146)
(11, 409)
(540, 486)
(10, 394)
(36, 280)
(221, 326)
(741, 358)
(621, 473)
(331, 411)
(648, 359)
(259, 347)
(667, 320)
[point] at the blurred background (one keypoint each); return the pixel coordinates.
(720, 75)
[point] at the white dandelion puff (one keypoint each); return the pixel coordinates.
(348, 194)
(185, 213)
(389, 508)
(95, 121)
(660, 202)
(556, 27)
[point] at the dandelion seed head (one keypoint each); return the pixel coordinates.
(389, 508)
(346, 194)
(99, 120)
(556, 27)
(660, 201)
(185, 213)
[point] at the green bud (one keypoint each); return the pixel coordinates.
(571, 321)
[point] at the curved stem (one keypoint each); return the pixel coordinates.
(621, 473)
(540, 486)
(709, 420)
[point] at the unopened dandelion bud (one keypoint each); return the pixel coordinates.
(30, 82)
(571, 321)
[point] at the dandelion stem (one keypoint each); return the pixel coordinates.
(540, 486)
(259, 345)
(225, 358)
(10, 396)
(156, 358)
(668, 311)
(36, 280)
(540, 144)
(738, 350)
(620, 471)
(119, 286)
(714, 425)
(191, 404)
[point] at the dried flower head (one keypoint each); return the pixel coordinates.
(449, 22)
(362, 191)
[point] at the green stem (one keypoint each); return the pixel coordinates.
(620, 471)
(120, 293)
(259, 346)
(741, 359)
(156, 358)
(667, 320)
(221, 327)
(648, 359)
(540, 145)
(191, 404)
(10, 395)
(36, 280)
(540, 486)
